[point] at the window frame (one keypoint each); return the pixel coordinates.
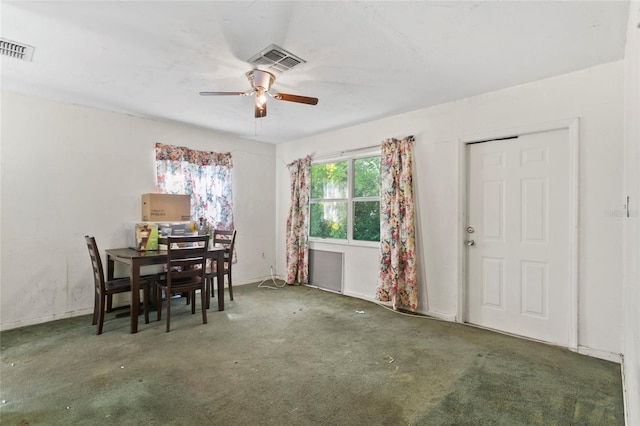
(349, 200)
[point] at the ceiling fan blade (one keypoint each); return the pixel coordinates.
(261, 111)
(296, 98)
(224, 94)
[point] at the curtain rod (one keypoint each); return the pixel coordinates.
(346, 151)
(339, 153)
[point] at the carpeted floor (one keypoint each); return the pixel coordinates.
(296, 356)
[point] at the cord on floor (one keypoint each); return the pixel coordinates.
(273, 280)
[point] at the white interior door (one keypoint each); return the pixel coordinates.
(519, 214)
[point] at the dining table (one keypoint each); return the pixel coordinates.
(136, 259)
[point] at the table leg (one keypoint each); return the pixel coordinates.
(135, 296)
(110, 268)
(220, 278)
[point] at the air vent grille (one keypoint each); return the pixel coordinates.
(15, 50)
(276, 59)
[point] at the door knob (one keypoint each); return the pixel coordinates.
(469, 242)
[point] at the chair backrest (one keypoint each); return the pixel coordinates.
(186, 259)
(96, 262)
(227, 239)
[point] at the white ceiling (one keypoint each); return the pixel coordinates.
(364, 60)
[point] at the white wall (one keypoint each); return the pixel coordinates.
(68, 171)
(631, 290)
(595, 95)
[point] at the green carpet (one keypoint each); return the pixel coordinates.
(296, 356)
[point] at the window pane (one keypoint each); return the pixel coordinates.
(366, 177)
(329, 180)
(329, 220)
(366, 220)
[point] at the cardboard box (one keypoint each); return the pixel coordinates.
(166, 207)
(174, 228)
(145, 236)
(167, 229)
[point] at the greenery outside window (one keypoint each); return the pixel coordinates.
(345, 199)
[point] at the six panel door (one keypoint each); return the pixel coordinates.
(518, 269)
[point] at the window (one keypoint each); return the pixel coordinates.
(366, 199)
(345, 199)
(206, 176)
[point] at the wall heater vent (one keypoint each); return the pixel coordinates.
(326, 269)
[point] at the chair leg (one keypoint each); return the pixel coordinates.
(109, 303)
(100, 314)
(153, 295)
(193, 302)
(207, 290)
(203, 300)
(96, 306)
(168, 310)
(159, 303)
(213, 292)
(145, 303)
(230, 287)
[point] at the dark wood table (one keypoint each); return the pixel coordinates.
(136, 259)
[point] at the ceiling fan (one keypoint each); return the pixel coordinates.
(261, 82)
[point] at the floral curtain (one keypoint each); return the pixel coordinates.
(297, 246)
(206, 176)
(398, 275)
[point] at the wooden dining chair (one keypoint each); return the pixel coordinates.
(105, 289)
(186, 267)
(227, 239)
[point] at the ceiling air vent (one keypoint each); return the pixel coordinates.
(276, 58)
(15, 50)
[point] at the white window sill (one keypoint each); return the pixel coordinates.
(351, 243)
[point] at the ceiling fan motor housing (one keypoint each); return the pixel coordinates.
(261, 79)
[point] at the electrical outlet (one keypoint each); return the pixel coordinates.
(263, 255)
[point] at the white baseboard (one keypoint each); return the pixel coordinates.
(598, 353)
(428, 313)
(40, 320)
(625, 396)
(360, 296)
(440, 315)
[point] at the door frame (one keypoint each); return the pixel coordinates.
(573, 127)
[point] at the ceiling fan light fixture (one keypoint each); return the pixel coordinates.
(261, 98)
